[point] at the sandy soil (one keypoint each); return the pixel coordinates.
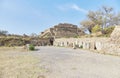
(57, 62)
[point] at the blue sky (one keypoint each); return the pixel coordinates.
(34, 16)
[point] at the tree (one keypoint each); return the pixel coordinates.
(3, 32)
(96, 17)
(104, 17)
(115, 20)
(96, 29)
(88, 24)
(24, 35)
(33, 35)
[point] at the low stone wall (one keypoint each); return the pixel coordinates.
(102, 45)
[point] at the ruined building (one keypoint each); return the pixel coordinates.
(62, 30)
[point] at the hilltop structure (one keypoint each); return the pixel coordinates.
(62, 30)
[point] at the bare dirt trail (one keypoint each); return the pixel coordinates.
(59, 62)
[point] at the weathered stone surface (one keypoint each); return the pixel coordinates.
(103, 45)
(92, 46)
(62, 30)
(115, 36)
(98, 45)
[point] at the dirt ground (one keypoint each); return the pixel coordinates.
(15, 62)
(57, 62)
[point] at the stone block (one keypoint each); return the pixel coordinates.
(98, 46)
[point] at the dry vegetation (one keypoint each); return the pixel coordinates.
(17, 64)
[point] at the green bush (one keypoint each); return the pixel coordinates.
(81, 46)
(96, 28)
(108, 30)
(31, 47)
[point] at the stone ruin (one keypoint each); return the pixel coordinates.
(62, 30)
(115, 36)
(102, 45)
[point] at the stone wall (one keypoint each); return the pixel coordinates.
(103, 45)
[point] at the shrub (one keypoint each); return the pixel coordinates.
(81, 46)
(108, 30)
(31, 47)
(96, 29)
(76, 36)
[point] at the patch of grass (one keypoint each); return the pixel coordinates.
(31, 47)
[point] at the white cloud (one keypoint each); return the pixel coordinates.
(75, 7)
(65, 7)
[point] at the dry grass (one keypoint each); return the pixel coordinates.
(18, 64)
(12, 49)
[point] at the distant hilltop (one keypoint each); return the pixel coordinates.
(62, 30)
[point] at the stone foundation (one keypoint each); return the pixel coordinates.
(101, 45)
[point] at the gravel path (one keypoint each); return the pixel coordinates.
(59, 62)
